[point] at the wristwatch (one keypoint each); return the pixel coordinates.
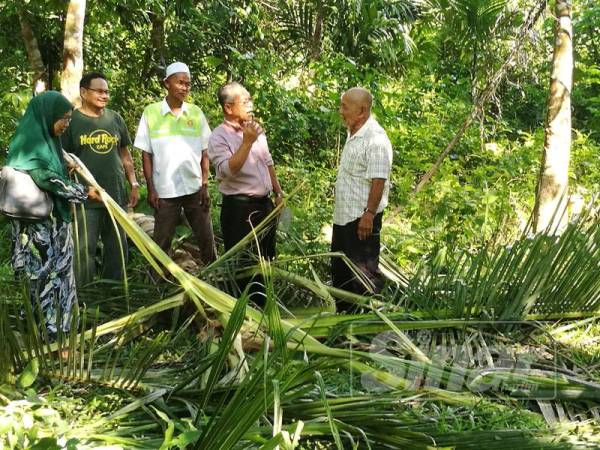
(278, 194)
(369, 211)
(135, 184)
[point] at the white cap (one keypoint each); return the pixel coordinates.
(176, 67)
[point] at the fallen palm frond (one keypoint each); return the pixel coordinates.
(546, 276)
(218, 397)
(199, 292)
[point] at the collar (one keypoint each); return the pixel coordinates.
(236, 126)
(89, 116)
(166, 109)
(362, 130)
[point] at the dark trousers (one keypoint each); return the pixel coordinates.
(364, 254)
(167, 216)
(239, 214)
(93, 226)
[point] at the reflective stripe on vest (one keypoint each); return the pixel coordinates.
(188, 124)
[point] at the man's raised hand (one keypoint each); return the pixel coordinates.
(251, 131)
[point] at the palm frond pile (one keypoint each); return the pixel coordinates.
(460, 354)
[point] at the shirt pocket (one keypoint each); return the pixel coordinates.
(356, 161)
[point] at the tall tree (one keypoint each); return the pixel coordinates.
(73, 50)
(33, 51)
(551, 196)
(155, 51)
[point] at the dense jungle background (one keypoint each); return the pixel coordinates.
(467, 277)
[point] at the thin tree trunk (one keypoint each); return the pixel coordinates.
(154, 55)
(73, 51)
(33, 52)
(485, 93)
(317, 36)
(551, 196)
(473, 74)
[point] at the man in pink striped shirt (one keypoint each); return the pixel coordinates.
(238, 149)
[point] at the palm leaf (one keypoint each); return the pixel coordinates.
(239, 409)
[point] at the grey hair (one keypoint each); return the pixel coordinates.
(226, 93)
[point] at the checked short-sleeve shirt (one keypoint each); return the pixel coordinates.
(366, 155)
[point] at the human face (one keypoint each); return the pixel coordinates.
(351, 112)
(96, 95)
(241, 108)
(61, 124)
(178, 86)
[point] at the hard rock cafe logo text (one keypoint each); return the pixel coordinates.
(100, 141)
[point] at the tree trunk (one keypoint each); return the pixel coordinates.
(33, 52)
(155, 54)
(73, 51)
(317, 36)
(550, 212)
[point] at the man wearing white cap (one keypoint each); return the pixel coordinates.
(173, 136)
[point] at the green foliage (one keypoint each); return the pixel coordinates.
(32, 423)
(583, 173)
(540, 274)
(29, 374)
(14, 104)
(586, 86)
(493, 169)
(373, 33)
(422, 61)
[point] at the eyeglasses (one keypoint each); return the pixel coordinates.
(66, 120)
(241, 102)
(99, 91)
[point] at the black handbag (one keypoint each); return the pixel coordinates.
(21, 198)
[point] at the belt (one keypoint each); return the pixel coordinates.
(246, 198)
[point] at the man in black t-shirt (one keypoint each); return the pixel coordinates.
(99, 137)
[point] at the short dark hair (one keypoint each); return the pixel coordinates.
(86, 80)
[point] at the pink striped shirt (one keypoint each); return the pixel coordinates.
(253, 178)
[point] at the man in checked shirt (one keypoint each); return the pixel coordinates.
(361, 194)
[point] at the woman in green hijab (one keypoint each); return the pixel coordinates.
(43, 250)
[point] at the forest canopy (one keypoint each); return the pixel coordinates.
(425, 62)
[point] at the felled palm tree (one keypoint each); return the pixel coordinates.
(214, 404)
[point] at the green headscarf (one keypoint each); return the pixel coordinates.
(34, 145)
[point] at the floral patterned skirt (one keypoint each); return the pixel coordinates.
(43, 255)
